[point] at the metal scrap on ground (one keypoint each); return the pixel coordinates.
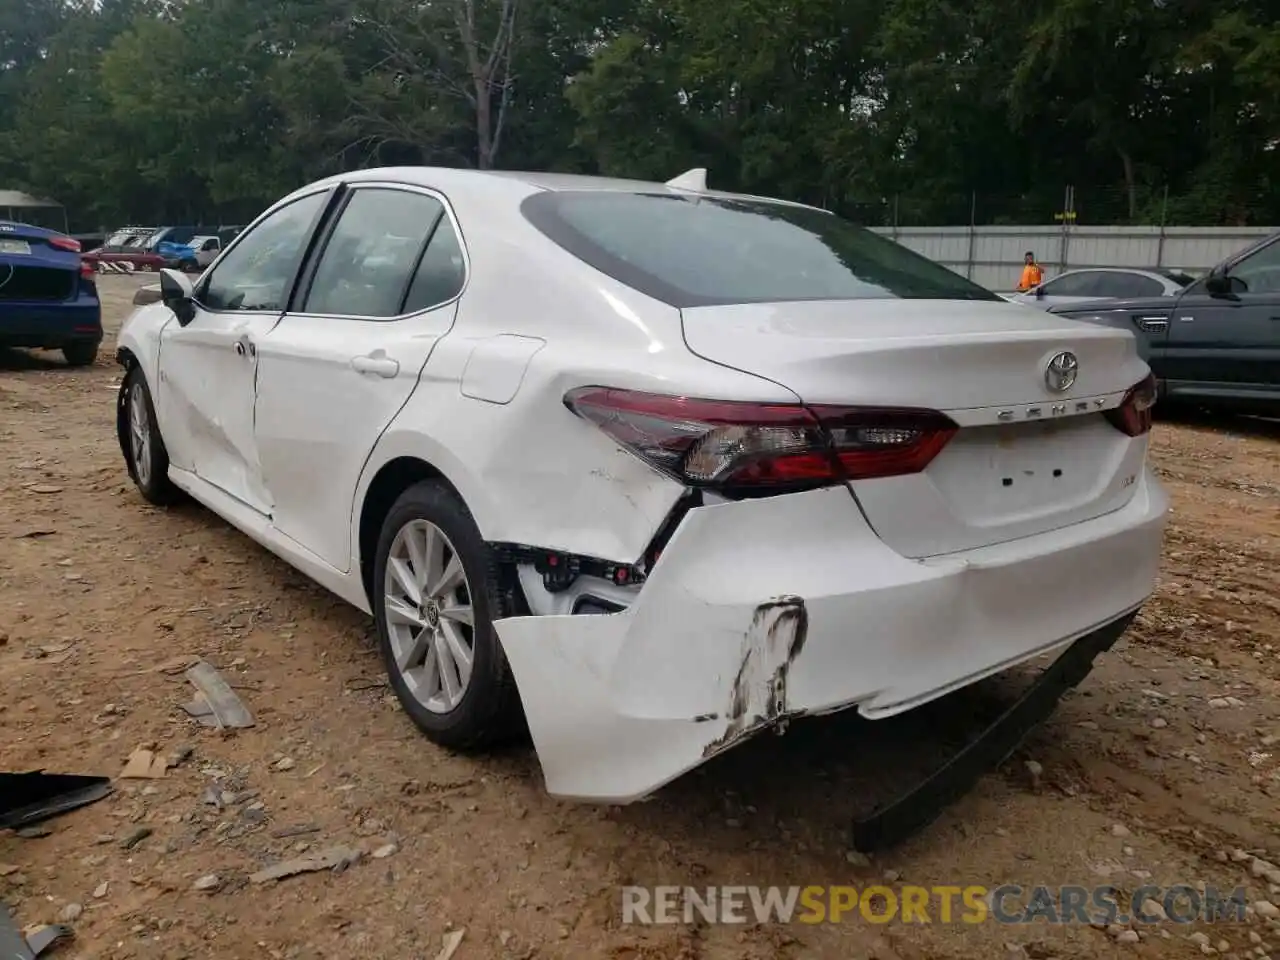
(14, 946)
(29, 798)
(334, 858)
(217, 705)
(452, 940)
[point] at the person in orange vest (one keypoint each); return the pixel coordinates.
(1032, 275)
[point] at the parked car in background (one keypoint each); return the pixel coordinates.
(48, 298)
(192, 256)
(174, 235)
(662, 467)
(1103, 283)
(128, 245)
(1217, 342)
(204, 250)
(132, 236)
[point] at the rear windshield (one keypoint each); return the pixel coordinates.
(702, 251)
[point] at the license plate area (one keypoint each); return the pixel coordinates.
(1030, 453)
(1010, 472)
(17, 247)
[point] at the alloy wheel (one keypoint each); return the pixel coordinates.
(140, 433)
(429, 617)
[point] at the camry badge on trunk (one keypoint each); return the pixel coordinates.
(1061, 372)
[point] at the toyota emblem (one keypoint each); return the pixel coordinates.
(1060, 374)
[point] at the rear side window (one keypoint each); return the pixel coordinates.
(1082, 284)
(702, 251)
(440, 273)
(1122, 285)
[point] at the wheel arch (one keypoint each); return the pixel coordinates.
(392, 479)
(126, 359)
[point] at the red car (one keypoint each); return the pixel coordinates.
(126, 247)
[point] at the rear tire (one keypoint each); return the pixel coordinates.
(143, 447)
(444, 591)
(81, 354)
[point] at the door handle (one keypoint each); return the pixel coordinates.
(240, 348)
(377, 363)
(246, 347)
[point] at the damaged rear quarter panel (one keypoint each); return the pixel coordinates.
(530, 470)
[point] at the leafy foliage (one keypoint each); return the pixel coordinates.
(906, 110)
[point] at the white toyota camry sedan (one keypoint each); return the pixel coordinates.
(653, 466)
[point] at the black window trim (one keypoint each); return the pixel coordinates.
(538, 210)
(303, 289)
(313, 229)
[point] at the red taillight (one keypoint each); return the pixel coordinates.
(1133, 416)
(65, 243)
(86, 269)
(723, 443)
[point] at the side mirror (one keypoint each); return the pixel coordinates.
(1219, 283)
(175, 291)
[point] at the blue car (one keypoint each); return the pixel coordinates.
(48, 298)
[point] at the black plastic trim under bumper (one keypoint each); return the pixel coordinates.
(925, 802)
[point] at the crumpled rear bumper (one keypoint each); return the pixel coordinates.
(765, 609)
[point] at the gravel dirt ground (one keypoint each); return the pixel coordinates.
(1162, 768)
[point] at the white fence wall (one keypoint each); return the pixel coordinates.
(992, 256)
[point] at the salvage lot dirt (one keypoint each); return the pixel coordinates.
(1161, 766)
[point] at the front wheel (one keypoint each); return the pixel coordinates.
(437, 591)
(143, 447)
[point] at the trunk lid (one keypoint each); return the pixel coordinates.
(1026, 460)
(32, 268)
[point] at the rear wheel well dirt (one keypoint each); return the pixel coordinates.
(393, 478)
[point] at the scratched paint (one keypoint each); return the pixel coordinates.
(758, 696)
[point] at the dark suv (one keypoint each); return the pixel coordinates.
(1217, 343)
